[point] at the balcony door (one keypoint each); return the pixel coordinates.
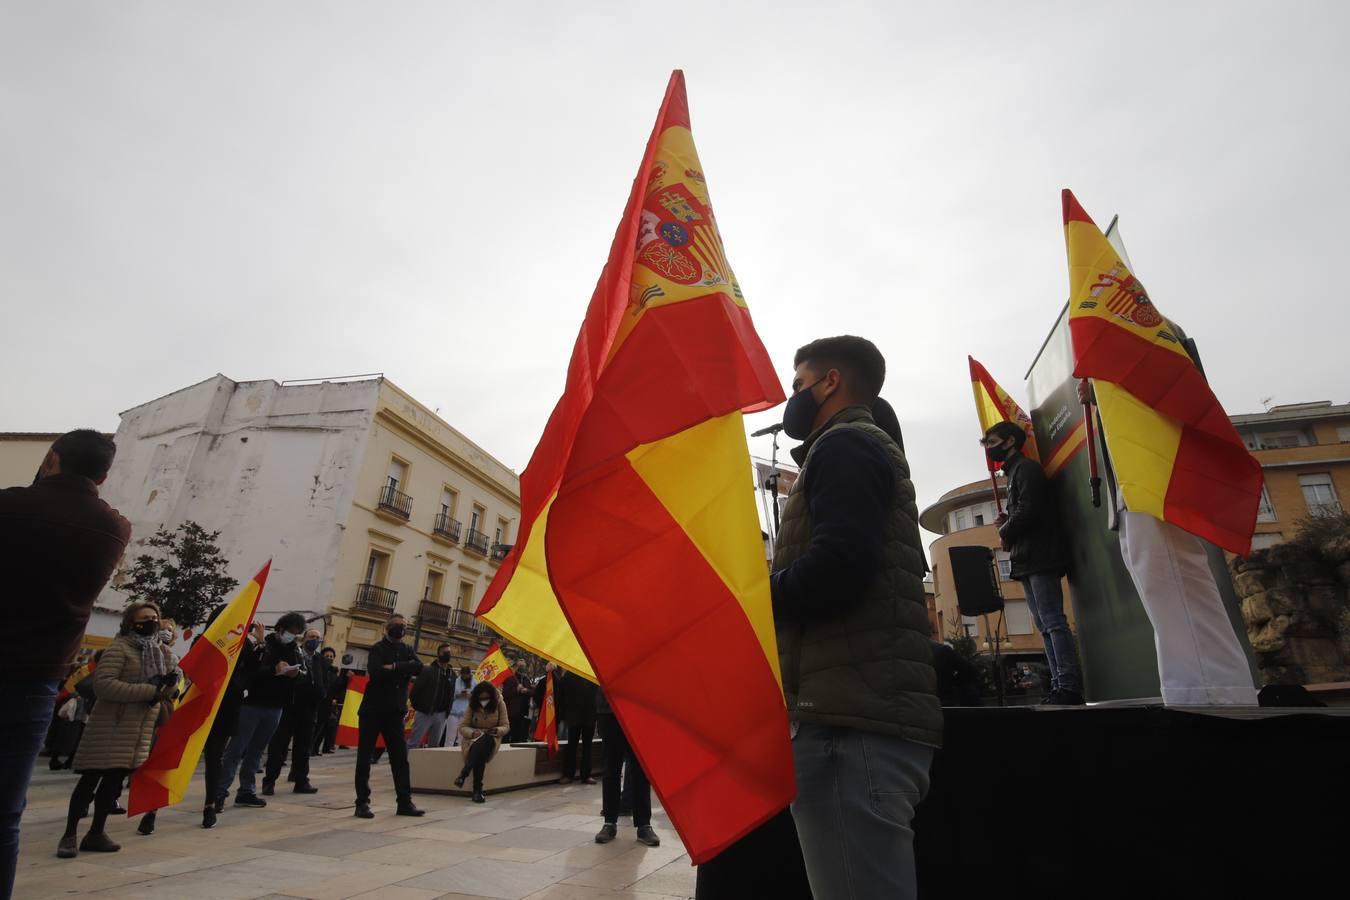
(432, 592)
(377, 568)
(398, 475)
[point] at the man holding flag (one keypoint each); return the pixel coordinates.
(1182, 471)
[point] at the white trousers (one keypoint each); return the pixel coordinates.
(1200, 660)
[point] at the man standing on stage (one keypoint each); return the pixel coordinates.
(1032, 536)
(852, 630)
(392, 664)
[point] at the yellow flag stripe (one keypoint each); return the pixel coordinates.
(1143, 445)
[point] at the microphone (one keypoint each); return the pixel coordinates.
(772, 429)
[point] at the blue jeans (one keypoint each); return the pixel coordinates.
(25, 715)
(856, 794)
(256, 725)
(1045, 600)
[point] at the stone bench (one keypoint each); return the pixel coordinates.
(433, 770)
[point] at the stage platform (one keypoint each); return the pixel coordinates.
(1117, 801)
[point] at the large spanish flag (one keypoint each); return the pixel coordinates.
(639, 553)
(993, 405)
(163, 778)
(1176, 454)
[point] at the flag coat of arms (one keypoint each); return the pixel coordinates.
(993, 405)
(547, 727)
(494, 668)
(639, 553)
(1175, 452)
(163, 778)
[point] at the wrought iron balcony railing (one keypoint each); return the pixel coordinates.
(375, 598)
(437, 615)
(463, 620)
(446, 527)
(395, 501)
(477, 541)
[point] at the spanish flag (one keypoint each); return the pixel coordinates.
(1175, 452)
(494, 667)
(993, 405)
(547, 728)
(639, 553)
(163, 778)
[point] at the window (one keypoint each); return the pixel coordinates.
(1004, 565)
(476, 519)
(1266, 511)
(1320, 494)
(465, 599)
(979, 518)
(398, 474)
(1018, 617)
(503, 531)
(432, 592)
(1343, 434)
(448, 499)
(377, 568)
(1281, 440)
(1262, 541)
(961, 520)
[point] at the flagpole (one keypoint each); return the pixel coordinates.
(1094, 479)
(993, 482)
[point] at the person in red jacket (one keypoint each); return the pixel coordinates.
(59, 545)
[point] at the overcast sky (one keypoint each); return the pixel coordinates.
(429, 190)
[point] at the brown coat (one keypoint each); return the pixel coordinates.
(122, 725)
(478, 719)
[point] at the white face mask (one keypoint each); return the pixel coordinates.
(286, 637)
(166, 636)
(484, 702)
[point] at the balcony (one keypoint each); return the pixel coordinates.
(446, 528)
(499, 552)
(373, 598)
(433, 614)
(463, 620)
(476, 541)
(395, 502)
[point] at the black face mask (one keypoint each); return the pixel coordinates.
(999, 454)
(146, 629)
(800, 413)
(444, 657)
(396, 632)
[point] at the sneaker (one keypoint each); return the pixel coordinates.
(304, 787)
(67, 848)
(608, 832)
(478, 797)
(209, 817)
(646, 835)
(118, 810)
(1069, 698)
(253, 800)
(147, 825)
(407, 809)
(99, 842)
(220, 804)
(269, 788)
(363, 811)
(459, 782)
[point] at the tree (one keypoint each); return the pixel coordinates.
(187, 577)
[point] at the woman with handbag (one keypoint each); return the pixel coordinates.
(135, 683)
(480, 734)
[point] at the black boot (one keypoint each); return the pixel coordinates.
(147, 825)
(209, 816)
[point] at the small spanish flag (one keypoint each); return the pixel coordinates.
(494, 667)
(547, 729)
(993, 405)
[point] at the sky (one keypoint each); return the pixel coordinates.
(429, 190)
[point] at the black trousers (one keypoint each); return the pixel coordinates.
(619, 753)
(477, 759)
(323, 735)
(295, 733)
(389, 725)
(100, 786)
(585, 732)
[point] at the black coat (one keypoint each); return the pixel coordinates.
(433, 691)
(312, 687)
(266, 687)
(1032, 534)
(517, 704)
(578, 698)
(387, 691)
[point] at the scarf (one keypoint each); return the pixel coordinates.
(152, 655)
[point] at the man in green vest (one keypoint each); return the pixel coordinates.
(853, 630)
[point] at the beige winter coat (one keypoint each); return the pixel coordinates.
(122, 725)
(494, 723)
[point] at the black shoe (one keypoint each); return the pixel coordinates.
(1048, 699)
(54, 764)
(98, 842)
(67, 848)
(478, 797)
(407, 809)
(220, 804)
(566, 779)
(117, 810)
(1069, 698)
(249, 800)
(269, 788)
(363, 811)
(304, 787)
(647, 836)
(608, 832)
(209, 817)
(459, 782)
(147, 825)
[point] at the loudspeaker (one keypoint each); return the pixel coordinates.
(977, 590)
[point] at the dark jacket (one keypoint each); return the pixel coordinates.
(517, 704)
(433, 691)
(312, 687)
(1032, 533)
(387, 691)
(577, 707)
(848, 597)
(266, 687)
(59, 545)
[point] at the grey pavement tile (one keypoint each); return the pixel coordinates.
(675, 879)
(536, 839)
(334, 842)
(403, 850)
(491, 878)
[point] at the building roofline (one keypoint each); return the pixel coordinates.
(453, 430)
(178, 391)
(1300, 412)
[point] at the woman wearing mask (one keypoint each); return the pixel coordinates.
(168, 635)
(134, 680)
(480, 734)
